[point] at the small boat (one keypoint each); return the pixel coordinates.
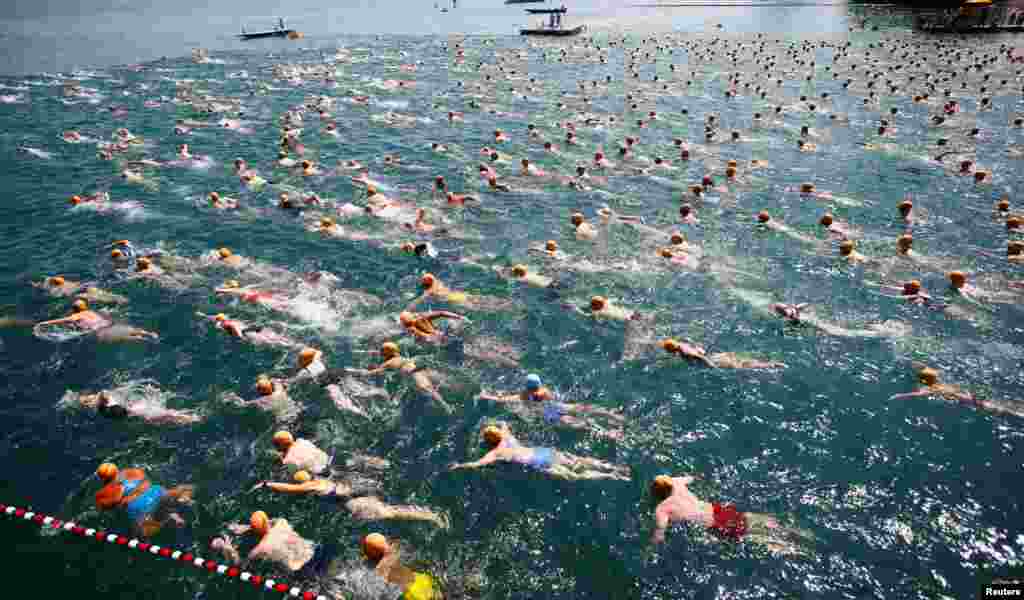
(554, 32)
(522, 1)
(279, 31)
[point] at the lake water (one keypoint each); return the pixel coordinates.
(904, 499)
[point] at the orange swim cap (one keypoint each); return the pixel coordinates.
(598, 302)
(224, 252)
(115, 253)
(912, 287)
(76, 200)
(732, 164)
(375, 546)
(1014, 248)
(260, 522)
(283, 440)
(846, 247)
(492, 435)
(551, 245)
(576, 219)
(957, 278)
(763, 217)
(264, 386)
(302, 476)
(307, 356)
(806, 188)
(826, 220)
(677, 238)
(56, 281)
(107, 472)
(519, 270)
(661, 487)
(79, 306)
(428, 280)
(928, 376)
(220, 317)
(1014, 223)
(1003, 205)
(389, 350)
(142, 264)
(670, 345)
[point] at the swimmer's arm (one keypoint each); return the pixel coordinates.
(918, 393)
(661, 522)
(69, 319)
(292, 488)
(488, 459)
(443, 314)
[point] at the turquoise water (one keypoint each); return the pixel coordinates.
(909, 499)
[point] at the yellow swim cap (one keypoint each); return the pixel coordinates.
(260, 522)
(107, 472)
(375, 546)
(326, 223)
(307, 356)
(389, 350)
(303, 476)
(79, 306)
(661, 487)
(220, 317)
(283, 439)
(519, 270)
(232, 283)
(224, 252)
(492, 435)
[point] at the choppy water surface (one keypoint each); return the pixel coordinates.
(911, 499)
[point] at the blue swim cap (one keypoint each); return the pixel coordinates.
(532, 381)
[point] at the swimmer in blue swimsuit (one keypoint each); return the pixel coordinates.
(576, 416)
(144, 502)
(506, 448)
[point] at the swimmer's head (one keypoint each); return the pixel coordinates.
(806, 188)
(670, 345)
(79, 306)
(55, 281)
(307, 356)
(107, 472)
(1003, 205)
(1014, 223)
(1014, 248)
(576, 219)
(302, 476)
(260, 523)
(406, 318)
(224, 253)
(730, 172)
(326, 223)
(533, 382)
(389, 350)
(677, 238)
(116, 254)
(428, 280)
(905, 242)
(697, 190)
(492, 435)
(846, 247)
(928, 376)
(666, 253)
(904, 207)
(911, 287)
(76, 200)
(376, 546)
(408, 247)
(957, 278)
(283, 440)
(826, 220)
(231, 284)
(980, 176)
(661, 487)
(598, 302)
(143, 264)
(519, 270)
(763, 217)
(265, 387)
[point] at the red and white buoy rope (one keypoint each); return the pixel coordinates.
(145, 547)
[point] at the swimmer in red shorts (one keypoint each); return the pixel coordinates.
(677, 503)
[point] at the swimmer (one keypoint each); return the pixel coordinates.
(795, 315)
(958, 285)
(687, 214)
(273, 299)
(272, 396)
(279, 544)
(538, 396)
(932, 386)
(421, 325)
(584, 230)
(148, 505)
(384, 554)
(602, 308)
(300, 454)
(848, 253)
(228, 258)
(58, 287)
(433, 288)
(522, 274)
(81, 318)
(362, 508)
(427, 381)
(454, 199)
(140, 402)
(836, 228)
(254, 334)
(906, 210)
(765, 220)
(676, 503)
(721, 360)
(222, 203)
(506, 448)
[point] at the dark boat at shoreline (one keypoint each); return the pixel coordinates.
(554, 27)
(554, 32)
(279, 31)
